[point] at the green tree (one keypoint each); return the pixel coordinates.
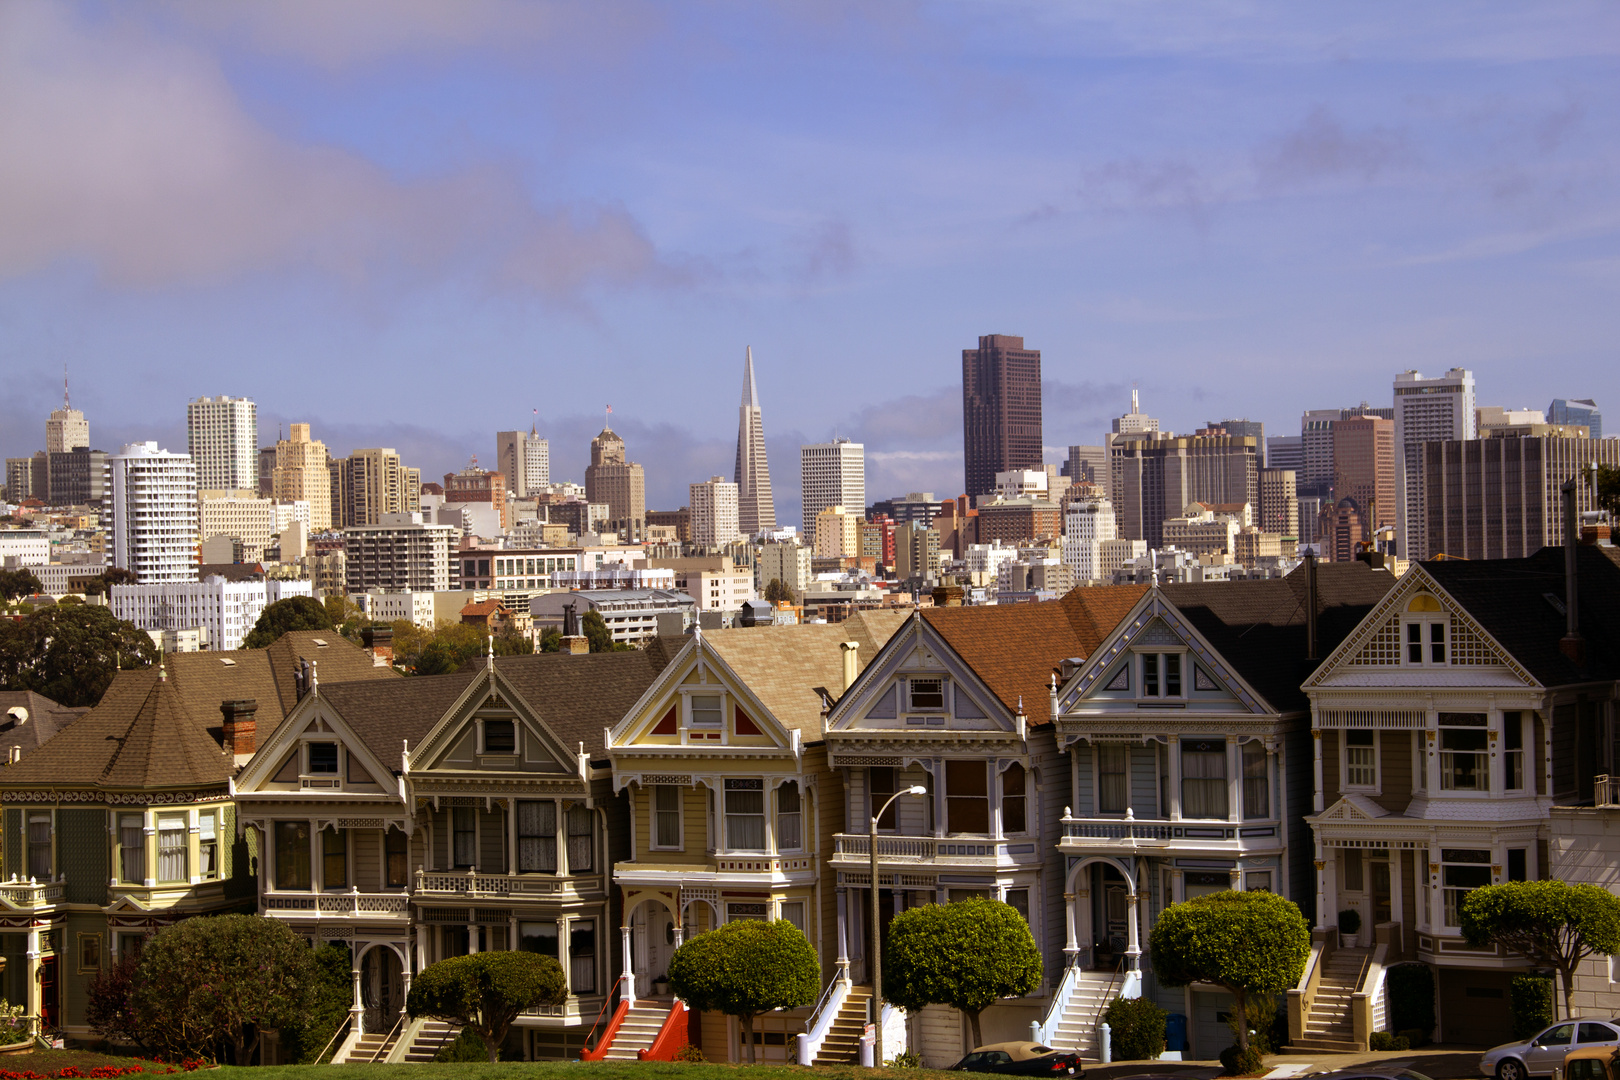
(15, 584)
(70, 653)
(110, 1009)
(1547, 922)
(293, 613)
(486, 991)
(329, 1006)
(745, 968)
(596, 631)
(776, 592)
(1247, 942)
(551, 640)
(113, 575)
(1606, 484)
(221, 981)
(966, 955)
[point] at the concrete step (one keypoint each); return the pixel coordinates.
(1318, 1046)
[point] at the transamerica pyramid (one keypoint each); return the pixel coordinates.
(756, 511)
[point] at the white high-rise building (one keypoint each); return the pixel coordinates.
(227, 610)
(222, 434)
(832, 474)
(525, 458)
(1426, 410)
(714, 512)
(66, 427)
(154, 513)
(1088, 524)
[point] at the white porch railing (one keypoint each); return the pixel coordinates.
(30, 893)
(471, 883)
(329, 905)
(821, 1020)
(1044, 1030)
(920, 849)
(1130, 834)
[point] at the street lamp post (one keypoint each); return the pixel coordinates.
(877, 948)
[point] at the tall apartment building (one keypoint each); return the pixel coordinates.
(1285, 452)
(1500, 498)
(833, 474)
(837, 533)
(226, 610)
(1279, 502)
(1577, 411)
(714, 512)
(372, 482)
(756, 509)
(916, 553)
(1426, 410)
(302, 474)
(1088, 524)
(154, 513)
(1315, 473)
(1136, 420)
(918, 506)
(66, 427)
(1086, 464)
(1243, 427)
(222, 435)
(524, 458)
(78, 477)
(1364, 468)
(1001, 410)
(1158, 475)
(620, 483)
(401, 552)
(475, 485)
(20, 478)
(242, 515)
(787, 563)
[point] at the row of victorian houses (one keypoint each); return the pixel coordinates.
(1343, 738)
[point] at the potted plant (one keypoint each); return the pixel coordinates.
(660, 986)
(1349, 926)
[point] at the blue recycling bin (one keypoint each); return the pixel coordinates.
(1175, 1032)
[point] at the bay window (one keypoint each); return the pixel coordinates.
(208, 844)
(789, 830)
(39, 845)
(537, 836)
(1203, 778)
(1256, 781)
(1462, 870)
(581, 839)
(745, 815)
(1014, 803)
(1464, 759)
(172, 861)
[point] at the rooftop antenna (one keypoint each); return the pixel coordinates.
(1134, 407)
(65, 403)
(534, 427)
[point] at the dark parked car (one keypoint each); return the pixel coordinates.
(1021, 1059)
(1370, 1072)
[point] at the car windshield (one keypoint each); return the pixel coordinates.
(1412, 1074)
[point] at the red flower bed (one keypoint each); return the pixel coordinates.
(103, 1072)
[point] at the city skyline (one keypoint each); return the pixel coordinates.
(1225, 209)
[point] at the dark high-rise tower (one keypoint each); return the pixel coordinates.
(1001, 410)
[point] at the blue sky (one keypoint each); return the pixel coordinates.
(412, 224)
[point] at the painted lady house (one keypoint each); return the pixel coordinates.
(732, 810)
(123, 823)
(425, 818)
(1473, 700)
(958, 704)
(1188, 758)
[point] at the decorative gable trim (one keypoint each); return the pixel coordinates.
(1376, 642)
(492, 690)
(318, 715)
(1351, 807)
(749, 714)
(915, 645)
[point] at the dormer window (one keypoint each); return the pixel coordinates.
(1425, 632)
(500, 737)
(926, 695)
(706, 710)
(1161, 675)
(323, 758)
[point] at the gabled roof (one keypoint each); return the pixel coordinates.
(140, 736)
(1259, 628)
(1519, 602)
(782, 665)
(1014, 648)
(44, 719)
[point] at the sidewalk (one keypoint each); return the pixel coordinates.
(1439, 1062)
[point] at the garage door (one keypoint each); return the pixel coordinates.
(1474, 1006)
(1210, 1032)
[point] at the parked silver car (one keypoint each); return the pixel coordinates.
(1544, 1053)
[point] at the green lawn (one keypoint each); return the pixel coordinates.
(599, 1070)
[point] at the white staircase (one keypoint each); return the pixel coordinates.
(640, 1027)
(1328, 1026)
(1077, 1028)
(428, 1039)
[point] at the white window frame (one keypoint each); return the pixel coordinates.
(1377, 786)
(483, 748)
(652, 818)
(1140, 662)
(1526, 780)
(323, 737)
(1426, 619)
(944, 692)
(1097, 775)
(776, 808)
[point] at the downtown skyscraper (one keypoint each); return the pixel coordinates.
(222, 436)
(756, 510)
(1001, 410)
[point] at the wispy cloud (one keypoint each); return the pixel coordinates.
(1321, 147)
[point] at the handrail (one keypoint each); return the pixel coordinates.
(607, 1003)
(1302, 998)
(1046, 1028)
(822, 1017)
(672, 1035)
(1361, 999)
(598, 1052)
(375, 1054)
(348, 1019)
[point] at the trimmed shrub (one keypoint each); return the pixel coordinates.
(1384, 1040)
(1411, 1000)
(1239, 1062)
(1349, 921)
(464, 1048)
(1415, 1037)
(1530, 1003)
(1137, 1029)
(689, 1053)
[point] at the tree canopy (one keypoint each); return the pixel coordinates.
(485, 992)
(745, 968)
(1248, 942)
(113, 575)
(1546, 922)
(293, 613)
(596, 631)
(966, 954)
(15, 584)
(70, 652)
(776, 592)
(222, 980)
(450, 646)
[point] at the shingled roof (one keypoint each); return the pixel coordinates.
(1520, 603)
(783, 665)
(140, 736)
(1259, 626)
(41, 719)
(1015, 647)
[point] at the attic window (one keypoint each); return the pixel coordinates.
(320, 643)
(227, 661)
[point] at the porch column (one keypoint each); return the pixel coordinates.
(1175, 779)
(472, 933)
(511, 837)
(36, 990)
(1431, 763)
(1133, 947)
(1328, 913)
(1234, 781)
(843, 933)
(1071, 947)
(512, 934)
(629, 976)
(356, 1010)
(561, 839)
(1178, 889)
(405, 995)
(938, 774)
(1318, 803)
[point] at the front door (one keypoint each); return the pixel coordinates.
(1378, 871)
(47, 991)
(653, 933)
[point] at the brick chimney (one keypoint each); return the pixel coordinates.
(240, 725)
(577, 644)
(948, 596)
(378, 639)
